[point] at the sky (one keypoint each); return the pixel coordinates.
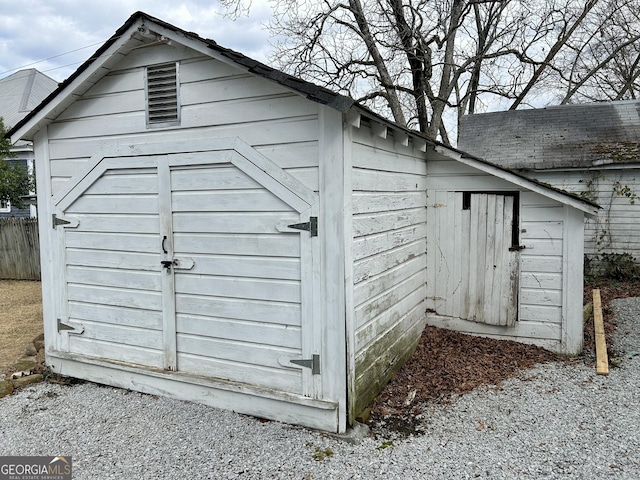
(56, 36)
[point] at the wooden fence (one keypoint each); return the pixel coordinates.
(19, 249)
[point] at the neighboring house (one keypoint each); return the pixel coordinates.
(222, 232)
(592, 150)
(20, 93)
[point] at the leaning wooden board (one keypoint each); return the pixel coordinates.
(602, 362)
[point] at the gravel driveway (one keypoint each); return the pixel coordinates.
(556, 421)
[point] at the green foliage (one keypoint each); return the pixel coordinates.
(625, 191)
(15, 180)
(322, 453)
(591, 192)
(611, 266)
(5, 143)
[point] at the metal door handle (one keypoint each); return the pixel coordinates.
(164, 239)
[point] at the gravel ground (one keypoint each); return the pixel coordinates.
(555, 421)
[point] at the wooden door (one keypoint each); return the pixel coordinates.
(475, 256)
(186, 262)
(111, 299)
(492, 291)
(243, 304)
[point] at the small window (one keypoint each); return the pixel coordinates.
(163, 102)
(5, 206)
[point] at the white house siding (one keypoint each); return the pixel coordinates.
(217, 100)
(544, 277)
(618, 218)
(389, 258)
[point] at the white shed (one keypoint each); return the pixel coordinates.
(218, 231)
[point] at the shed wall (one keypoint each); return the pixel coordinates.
(389, 258)
(217, 100)
(545, 229)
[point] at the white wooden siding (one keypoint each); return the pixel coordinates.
(217, 101)
(542, 257)
(113, 282)
(389, 229)
(618, 216)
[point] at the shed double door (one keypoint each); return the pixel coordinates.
(186, 263)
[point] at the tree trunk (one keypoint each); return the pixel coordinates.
(387, 83)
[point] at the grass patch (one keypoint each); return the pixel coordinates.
(20, 319)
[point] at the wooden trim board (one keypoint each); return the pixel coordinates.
(240, 398)
(602, 361)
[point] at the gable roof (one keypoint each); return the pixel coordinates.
(568, 136)
(134, 33)
(141, 29)
(21, 92)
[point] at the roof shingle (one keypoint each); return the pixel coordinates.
(21, 92)
(570, 136)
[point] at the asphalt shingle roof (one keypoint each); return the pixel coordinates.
(21, 92)
(570, 136)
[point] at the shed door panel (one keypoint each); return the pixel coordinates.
(112, 269)
(238, 310)
(232, 301)
(493, 267)
(477, 273)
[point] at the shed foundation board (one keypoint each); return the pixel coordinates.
(261, 403)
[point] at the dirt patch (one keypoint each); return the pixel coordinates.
(20, 320)
(607, 293)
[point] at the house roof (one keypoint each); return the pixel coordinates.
(141, 29)
(563, 137)
(21, 92)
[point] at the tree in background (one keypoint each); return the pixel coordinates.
(15, 180)
(606, 65)
(425, 63)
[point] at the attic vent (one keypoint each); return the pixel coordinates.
(163, 104)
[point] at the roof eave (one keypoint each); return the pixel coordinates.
(98, 65)
(589, 208)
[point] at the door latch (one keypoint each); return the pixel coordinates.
(168, 264)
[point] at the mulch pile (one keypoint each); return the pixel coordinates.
(448, 363)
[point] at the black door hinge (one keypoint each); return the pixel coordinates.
(313, 364)
(310, 226)
(58, 221)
